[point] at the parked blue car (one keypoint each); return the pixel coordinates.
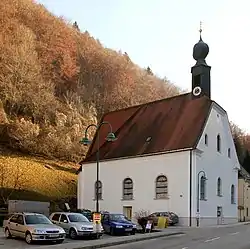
(117, 224)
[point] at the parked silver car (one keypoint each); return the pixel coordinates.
(75, 224)
(32, 227)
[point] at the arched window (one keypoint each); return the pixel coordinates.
(218, 143)
(219, 187)
(232, 194)
(203, 188)
(98, 190)
(229, 152)
(127, 189)
(206, 139)
(161, 187)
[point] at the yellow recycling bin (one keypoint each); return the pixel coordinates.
(162, 222)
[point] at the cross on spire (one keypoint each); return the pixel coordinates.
(200, 29)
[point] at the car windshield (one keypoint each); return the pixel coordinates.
(77, 218)
(36, 219)
(117, 217)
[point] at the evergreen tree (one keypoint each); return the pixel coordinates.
(149, 71)
(75, 25)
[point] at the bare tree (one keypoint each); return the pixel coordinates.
(11, 180)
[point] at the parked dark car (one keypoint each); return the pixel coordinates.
(117, 224)
(172, 217)
(87, 213)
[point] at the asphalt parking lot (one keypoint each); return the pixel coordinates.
(21, 244)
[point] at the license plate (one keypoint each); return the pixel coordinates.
(128, 229)
(53, 235)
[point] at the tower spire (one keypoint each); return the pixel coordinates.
(201, 71)
(200, 30)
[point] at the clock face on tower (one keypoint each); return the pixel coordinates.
(197, 91)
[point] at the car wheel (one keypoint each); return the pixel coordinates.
(7, 233)
(72, 233)
(28, 238)
(112, 231)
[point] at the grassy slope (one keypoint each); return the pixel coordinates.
(40, 179)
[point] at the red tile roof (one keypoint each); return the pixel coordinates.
(160, 126)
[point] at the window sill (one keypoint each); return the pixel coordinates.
(220, 195)
(205, 199)
(166, 198)
(124, 199)
(94, 199)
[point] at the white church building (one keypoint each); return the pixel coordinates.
(175, 154)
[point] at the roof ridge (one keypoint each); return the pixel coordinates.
(147, 103)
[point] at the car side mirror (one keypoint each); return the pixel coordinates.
(65, 221)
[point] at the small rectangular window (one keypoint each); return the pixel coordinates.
(232, 194)
(203, 188)
(206, 139)
(218, 143)
(197, 80)
(229, 152)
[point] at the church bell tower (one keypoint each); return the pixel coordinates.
(201, 84)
